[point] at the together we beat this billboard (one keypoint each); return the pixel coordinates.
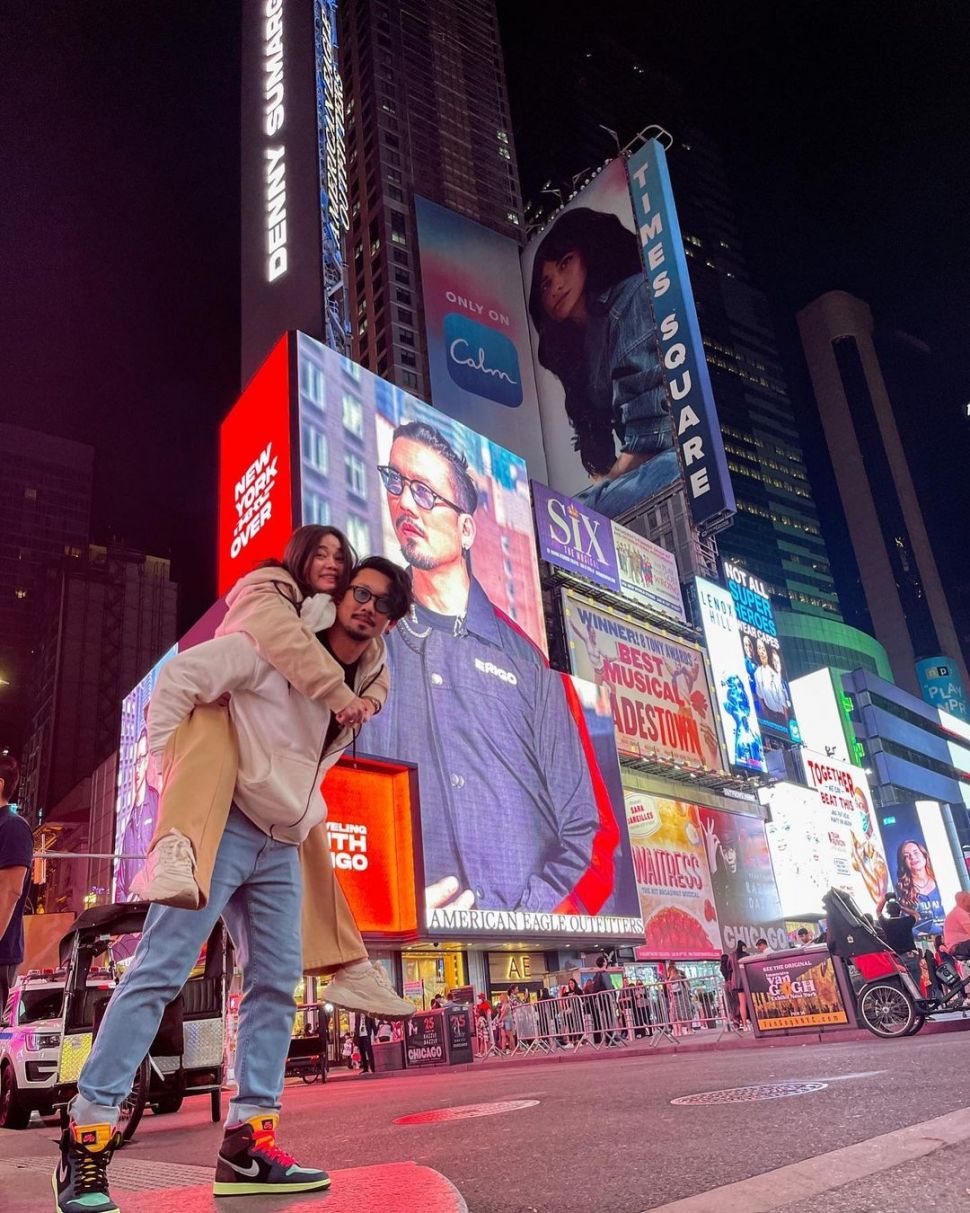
(522, 825)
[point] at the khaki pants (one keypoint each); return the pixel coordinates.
(199, 777)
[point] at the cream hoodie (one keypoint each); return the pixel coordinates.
(281, 732)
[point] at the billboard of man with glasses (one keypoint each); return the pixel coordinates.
(521, 808)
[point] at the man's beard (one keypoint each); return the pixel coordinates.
(417, 559)
(356, 633)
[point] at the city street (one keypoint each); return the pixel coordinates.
(595, 1134)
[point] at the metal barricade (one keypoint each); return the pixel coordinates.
(665, 1011)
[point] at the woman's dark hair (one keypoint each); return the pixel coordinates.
(399, 592)
(741, 948)
(609, 252)
(300, 550)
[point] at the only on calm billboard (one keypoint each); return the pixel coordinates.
(523, 829)
(731, 689)
(762, 653)
(624, 396)
(479, 354)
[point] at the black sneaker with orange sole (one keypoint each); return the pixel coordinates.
(80, 1182)
(251, 1163)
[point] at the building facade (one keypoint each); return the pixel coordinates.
(426, 111)
(45, 515)
(907, 604)
(109, 617)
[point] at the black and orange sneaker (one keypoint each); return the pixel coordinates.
(80, 1182)
(250, 1163)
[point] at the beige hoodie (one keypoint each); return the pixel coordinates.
(282, 759)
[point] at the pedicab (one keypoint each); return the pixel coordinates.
(889, 1001)
(187, 1056)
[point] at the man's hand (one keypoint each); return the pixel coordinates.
(355, 713)
(441, 894)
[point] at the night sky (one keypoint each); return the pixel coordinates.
(845, 130)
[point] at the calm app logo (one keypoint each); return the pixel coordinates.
(482, 360)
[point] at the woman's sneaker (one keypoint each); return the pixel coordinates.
(168, 876)
(80, 1182)
(362, 986)
(251, 1163)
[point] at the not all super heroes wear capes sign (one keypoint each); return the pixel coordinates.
(732, 691)
(795, 992)
(657, 685)
(479, 354)
(767, 676)
(673, 879)
(575, 538)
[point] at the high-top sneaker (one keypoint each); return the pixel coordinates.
(250, 1162)
(80, 1182)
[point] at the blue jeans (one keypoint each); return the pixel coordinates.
(615, 497)
(257, 889)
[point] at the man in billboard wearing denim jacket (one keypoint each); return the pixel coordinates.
(509, 817)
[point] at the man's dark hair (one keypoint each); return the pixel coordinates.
(466, 493)
(601, 962)
(399, 590)
(893, 908)
(10, 774)
(759, 942)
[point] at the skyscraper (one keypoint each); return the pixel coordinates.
(108, 617)
(45, 515)
(426, 111)
(849, 366)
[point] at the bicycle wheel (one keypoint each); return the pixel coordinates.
(134, 1105)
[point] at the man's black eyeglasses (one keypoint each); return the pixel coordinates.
(362, 594)
(424, 496)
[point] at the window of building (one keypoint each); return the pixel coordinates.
(403, 297)
(30, 494)
(318, 509)
(356, 475)
(358, 533)
(20, 593)
(311, 383)
(405, 337)
(408, 358)
(405, 316)
(400, 256)
(353, 415)
(409, 379)
(313, 445)
(401, 276)
(398, 228)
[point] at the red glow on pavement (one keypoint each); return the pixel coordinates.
(466, 1112)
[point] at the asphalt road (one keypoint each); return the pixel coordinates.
(603, 1134)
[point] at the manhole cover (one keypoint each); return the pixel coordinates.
(437, 1115)
(768, 1090)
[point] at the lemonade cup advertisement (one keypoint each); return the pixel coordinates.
(673, 879)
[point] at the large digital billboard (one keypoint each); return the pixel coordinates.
(767, 676)
(818, 843)
(745, 892)
(575, 538)
(479, 355)
(625, 400)
(823, 717)
(139, 784)
(923, 872)
(657, 685)
(255, 473)
(648, 573)
(521, 833)
(673, 879)
(847, 800)
(732, 691)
